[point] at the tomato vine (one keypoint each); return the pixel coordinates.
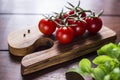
(76, 18)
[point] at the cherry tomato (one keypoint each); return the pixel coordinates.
(79, 28)
(47, 26)
(58, 20)
(71, 12)
(94, 24)
(65, 35)
(65, 15)
(70, 21)
(83, 14)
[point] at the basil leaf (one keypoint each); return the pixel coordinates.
(85, 65)
(115, 74)
(116, 52)
(98, 73)
(110, 65)
(119, 44)
(104, 68)
(107, 77)
(106, 49)
(110, 49)
(101, 59)
(74, 70)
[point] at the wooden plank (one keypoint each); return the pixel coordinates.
(58, 53)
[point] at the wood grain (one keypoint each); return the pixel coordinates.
(17, 14)
(26, 41)
(60, 53)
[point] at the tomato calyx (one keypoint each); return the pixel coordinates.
(77, 10)
(94, 15)
(100, 13)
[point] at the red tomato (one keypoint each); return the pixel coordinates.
(47, 26)
(65, 35)
(71, 12)
(94, 24)
(80, 28)
(83, 14)
(70, 21)
(65, 15)
(58, 20)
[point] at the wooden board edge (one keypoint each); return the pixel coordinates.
(25, 70)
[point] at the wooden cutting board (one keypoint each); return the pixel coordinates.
(25, 42)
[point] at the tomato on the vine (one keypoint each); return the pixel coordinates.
(65, 15)
(71, 12)
(79, 26)
(83, 14)
(65, 35)
(71, 21)
(94, 24)
(57, 20)
(47, 26)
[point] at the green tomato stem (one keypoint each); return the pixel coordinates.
(71, 4)
(101, 12)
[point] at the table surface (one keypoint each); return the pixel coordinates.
(17, 14)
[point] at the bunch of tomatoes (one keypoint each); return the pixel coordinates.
(74, 22)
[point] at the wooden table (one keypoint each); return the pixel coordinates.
(17, 14)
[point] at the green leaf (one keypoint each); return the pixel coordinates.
(115, 74)
(116, 52)
(98, 73)
(110, 65)
(85, 65)
(110, 49)
(107, 62)
(104, 68)
(107, 77)
(101, 59)
(106, 49)
(77, 70)
(119, 44)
